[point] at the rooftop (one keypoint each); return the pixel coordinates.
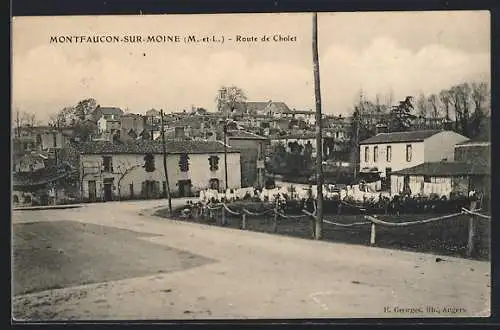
(445, 169)
(259, 106)
(475, 143)
(42, 176)
(396, 137)
(109, 110)
(244, 135)
(147, 146)
(304, 136)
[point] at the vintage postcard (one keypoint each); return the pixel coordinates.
(251, 166)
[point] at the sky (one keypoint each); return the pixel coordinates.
(384, 53)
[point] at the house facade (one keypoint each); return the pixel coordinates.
(442, 179)
(134, 169)
(132, 122)
(108, 125)
(106, 112)
(388, 152)
(269, 108)
(301, 139)
(252, 148)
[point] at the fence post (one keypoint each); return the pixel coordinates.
(313, 226)
(243, 220)
(195, 212)
(275, 221)
(470, 242)
(223, 216)
(372, 234)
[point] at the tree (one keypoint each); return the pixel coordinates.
(29, 119)
(84, 108)
(433, 102)
(78, 118)
(457, 106)
(477, 124)
(421, 110)
(229, 98)
(445, 97)
(401, 116)
(461, 97)
(479, 95)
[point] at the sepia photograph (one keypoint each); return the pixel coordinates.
(272, 166)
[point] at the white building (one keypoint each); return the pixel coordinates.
(108, 125)
(388, 152)
(111, 171)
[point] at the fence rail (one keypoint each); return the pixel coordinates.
(371, 220)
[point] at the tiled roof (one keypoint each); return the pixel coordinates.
(305, 136)
(445, 169)
(244, 135)
(255, 106)
(152, 112)
(475, 143)
(135, 115)
(193, 121)
(395, 137)
(110, 110)
(41, 176)
(148, 146)
(303, 112)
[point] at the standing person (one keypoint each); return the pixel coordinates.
(472, 199)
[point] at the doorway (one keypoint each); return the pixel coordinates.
(214, 184)
(108, 190)
(184, 188)
(92, 191)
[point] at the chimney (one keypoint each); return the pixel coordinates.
(179, 132)
(381, 128)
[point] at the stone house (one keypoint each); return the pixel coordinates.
(117, 170)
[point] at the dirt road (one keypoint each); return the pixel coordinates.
(194, 271)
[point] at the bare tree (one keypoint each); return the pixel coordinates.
(29, 119)
(421, 106)
(422, 110)
(445, 97)
(433, 102)
(389, 99)
(479, 95)
(228, 98)
(477, 124)
(465, 98)
(457, 106)
(18, 122)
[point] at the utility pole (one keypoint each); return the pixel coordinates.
(319, 137)
(225, 153)
(165, 163)
(56, 161)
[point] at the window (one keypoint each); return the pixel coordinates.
(408, 152)
(375, 154)
(427, 178)
(107, 163)
(367, 154)
(389, 154)
(214, 163)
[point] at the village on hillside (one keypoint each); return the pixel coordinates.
(234, 180)
(91, 153)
